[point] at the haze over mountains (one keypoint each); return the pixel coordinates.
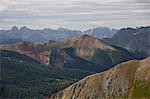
(39, 63)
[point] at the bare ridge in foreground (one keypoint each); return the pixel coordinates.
(130, 80)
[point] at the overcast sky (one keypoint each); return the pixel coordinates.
(74, 14)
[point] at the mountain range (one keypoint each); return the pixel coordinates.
(46, 34)
(132, 39)
(84, 52)
(32, 35)
(40, 63)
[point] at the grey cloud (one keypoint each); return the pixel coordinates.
(78, 13)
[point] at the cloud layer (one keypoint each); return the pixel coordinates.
(75, 14)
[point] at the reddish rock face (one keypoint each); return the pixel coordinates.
(86, 46)
(29, 49)
(39, 52)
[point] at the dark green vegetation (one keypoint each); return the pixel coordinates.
(101, 59)
(67, 58)
(107, 59)
(23, 77)
(80, 63)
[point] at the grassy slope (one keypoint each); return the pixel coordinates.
(141, 89)
(94, 85)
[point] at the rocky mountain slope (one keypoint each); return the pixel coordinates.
(85, 46)
(135, 40)
(129, 80)
(50, 53)
(39, 52)
(97, 51)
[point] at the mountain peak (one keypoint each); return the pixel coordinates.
(128, 30)
(14, 28)
(89, 38)
(62, 29)
(89, 42)
(87, 45)
(24, 28)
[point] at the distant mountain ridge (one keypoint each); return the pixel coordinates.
(46, 34)
(135, 40)
(101, 32)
